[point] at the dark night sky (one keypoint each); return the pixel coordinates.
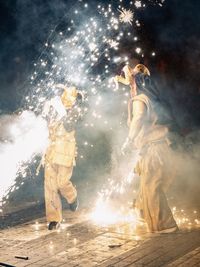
(172, 31)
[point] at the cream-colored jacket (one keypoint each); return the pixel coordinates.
(144, 128)
(62, 146)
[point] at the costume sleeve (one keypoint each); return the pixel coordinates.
(123, 80)
(139, 112)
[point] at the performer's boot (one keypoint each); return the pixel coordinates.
(53, 225)
(74, 206)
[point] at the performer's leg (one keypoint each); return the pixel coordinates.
(52, 198)
(153, 201)
(65, 185)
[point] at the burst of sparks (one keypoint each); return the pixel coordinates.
(104, 211)
(126, 16)
(138, 4)
(113, 44)
(105, 214)
(138, 50)
(186, 219)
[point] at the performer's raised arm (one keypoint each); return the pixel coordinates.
(127, 79)
(128, 76)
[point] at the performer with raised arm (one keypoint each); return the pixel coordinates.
(149, 134)
(60, 155)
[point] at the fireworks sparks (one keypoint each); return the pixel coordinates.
(113, 44)
(186, 219)
(71, 56)
(105, 213)
(138, 4)
(106, 210)
(126, 16)
(138, 50)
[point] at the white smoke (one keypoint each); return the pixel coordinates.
(22, 137)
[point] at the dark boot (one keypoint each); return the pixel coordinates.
(53, 225)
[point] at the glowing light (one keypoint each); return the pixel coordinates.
(117, 59)
(113, 44)
(92, 46)
(138, 4)
(138, 50)
(37, 226)
(137, 23)
(51, 245)
(126, 16)
(105, 214)
(75, 241)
